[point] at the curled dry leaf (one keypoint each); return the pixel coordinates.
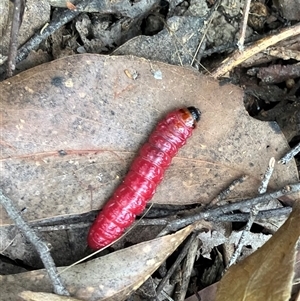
(70, 128)
(111, 277)
(266, 274)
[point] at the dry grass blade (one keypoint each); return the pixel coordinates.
(267, 274)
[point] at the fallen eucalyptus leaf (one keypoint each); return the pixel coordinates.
(111, 277)
(70, 128)
(266, 274)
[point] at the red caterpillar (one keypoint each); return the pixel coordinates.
(145, 173)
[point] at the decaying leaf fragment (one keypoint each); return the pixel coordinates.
(266, 274)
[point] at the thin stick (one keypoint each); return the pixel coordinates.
(235, 217)
(176, 263)
(40, 246)
(187, 270)
(238, 57)
(247, 203)
(65, 17)
(241, 40)
(224, 193)
(241, 243)
(267, 176)
(13, 44)
(253, 213)
(163, 221)
(290, 155)
(262, 215)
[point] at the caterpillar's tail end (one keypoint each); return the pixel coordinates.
(96, 240)
(195, 113)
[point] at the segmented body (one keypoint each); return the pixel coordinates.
(146, 172)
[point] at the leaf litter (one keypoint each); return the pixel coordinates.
(218, 22)
(66, 133)
(268, 273)
(111, 277)
(39, 109)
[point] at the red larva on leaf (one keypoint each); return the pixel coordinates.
(146, 172)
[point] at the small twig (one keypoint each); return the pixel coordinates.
(290, 155)
(241, 243)
(40, 246)
(253, 213)
(224, 193)
(187, 270)
(247, 203)
(166, 296)
(65, 17)
(13, 43)
(236, 217)
(163, 221)
(241, 40)
(237, 57)
(267, 176)
(244, 217)
(229, 47)
(176, 263)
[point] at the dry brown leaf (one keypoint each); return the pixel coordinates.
(266, 274)
(37, 296)
(70, 128)
(111, 277)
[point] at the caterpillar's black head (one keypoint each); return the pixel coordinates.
(195, 113)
